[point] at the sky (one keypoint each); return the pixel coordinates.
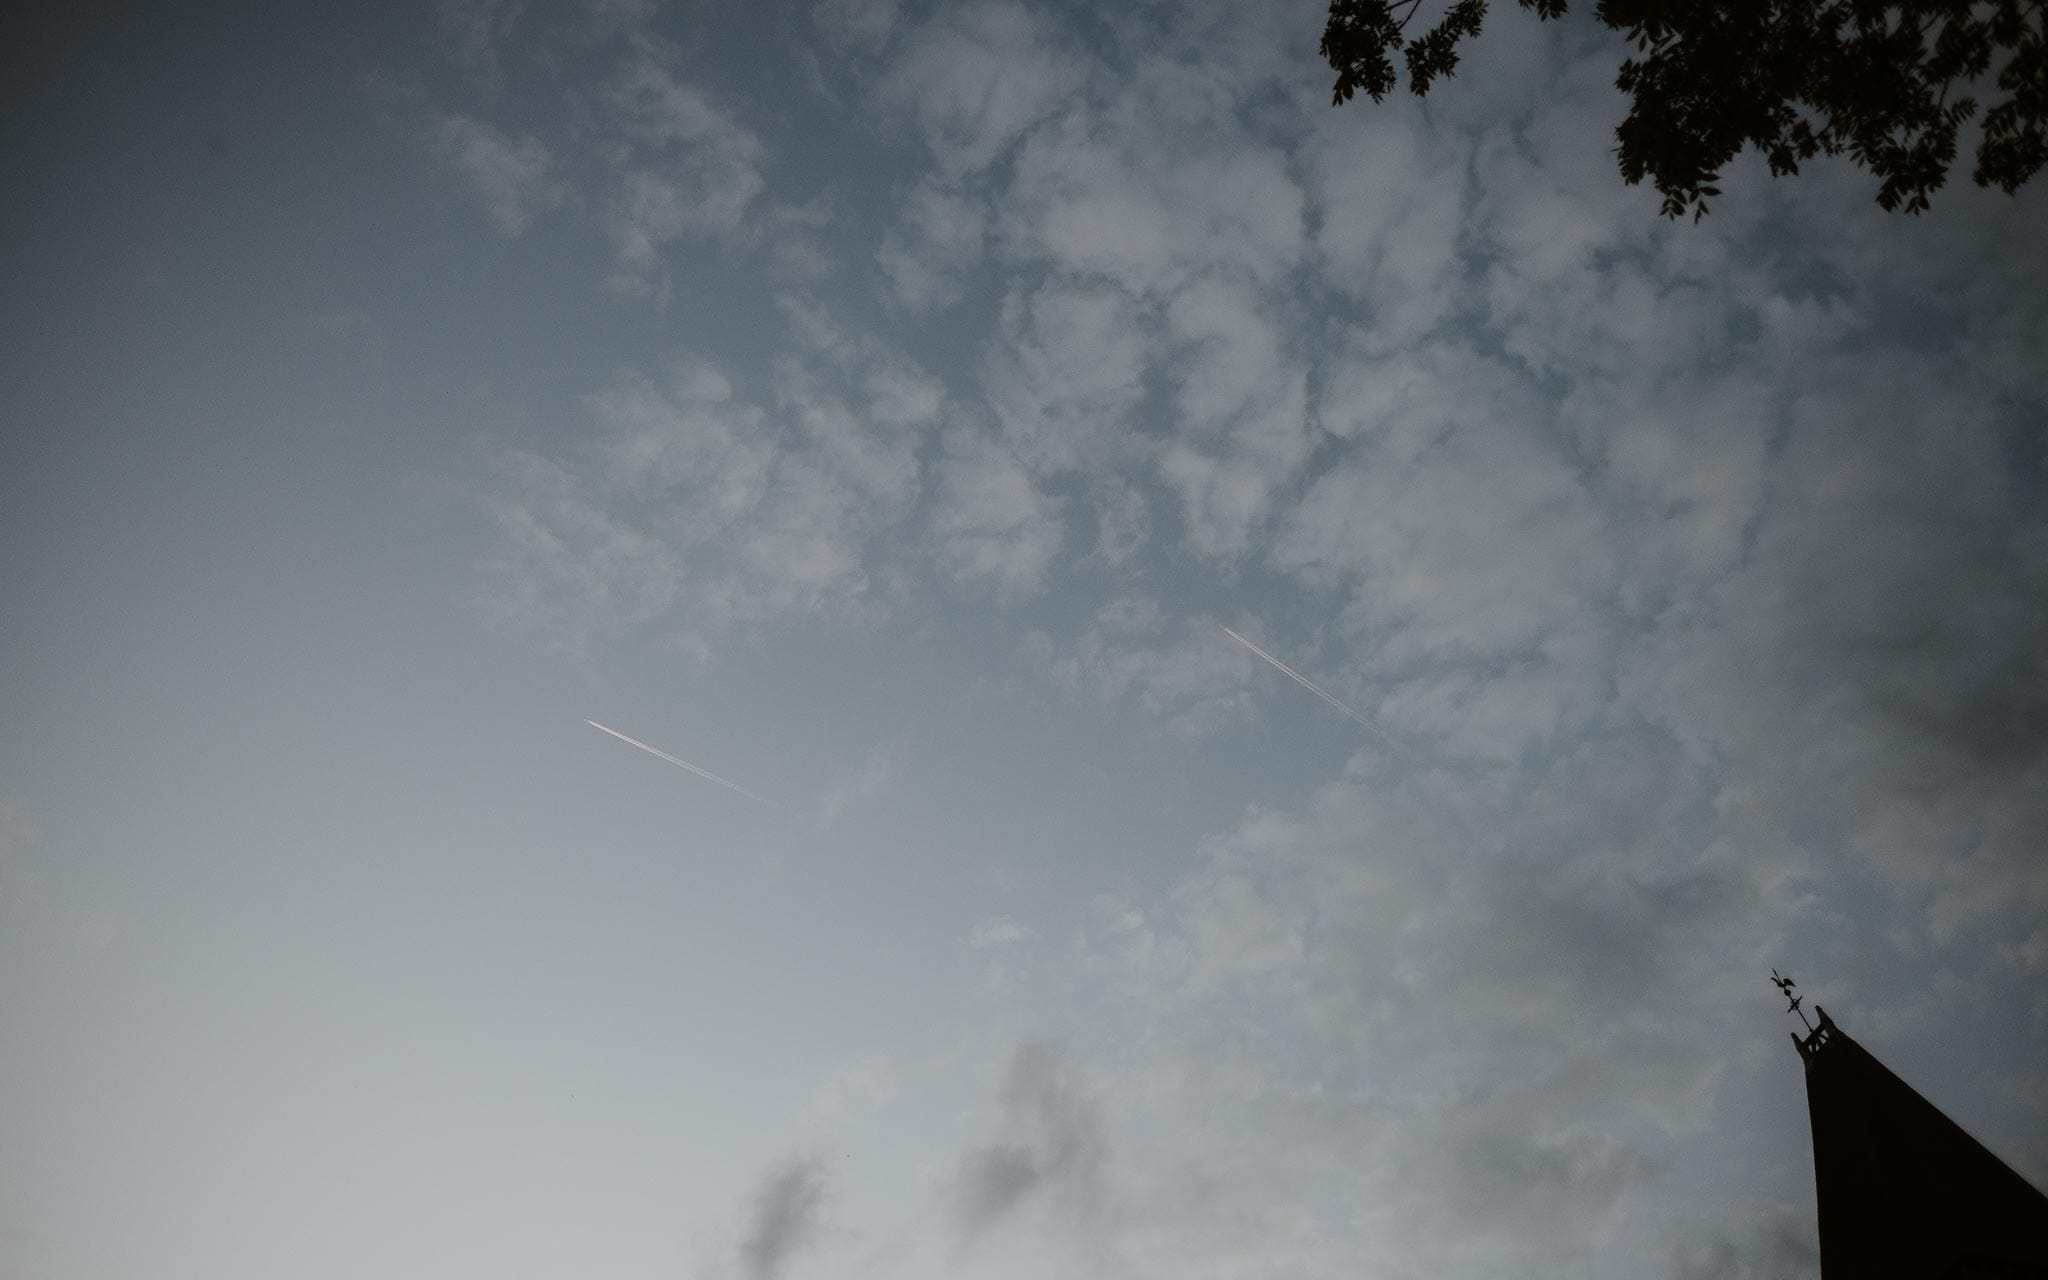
(886, 407)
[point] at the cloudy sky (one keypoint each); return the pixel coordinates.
(885, 406)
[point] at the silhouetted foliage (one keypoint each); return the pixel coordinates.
(1886, 83)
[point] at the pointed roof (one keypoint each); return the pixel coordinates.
(1903, 1190)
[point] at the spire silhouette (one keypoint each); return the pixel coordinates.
(1902, 1189)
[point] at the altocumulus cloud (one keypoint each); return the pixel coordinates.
(1698, 569)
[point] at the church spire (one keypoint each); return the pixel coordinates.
(1902, 1189)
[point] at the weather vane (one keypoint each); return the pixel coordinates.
(1785, 986)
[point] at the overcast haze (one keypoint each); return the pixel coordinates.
(885, 408)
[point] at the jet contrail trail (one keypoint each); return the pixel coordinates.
(1299, 679)
(681, 764)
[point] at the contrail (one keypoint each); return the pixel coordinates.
(1299, 679)
(681, 764)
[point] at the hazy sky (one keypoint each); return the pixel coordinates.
(884, 407)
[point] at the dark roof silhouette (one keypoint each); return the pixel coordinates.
(1903, 1191)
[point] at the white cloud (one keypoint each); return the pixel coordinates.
(1483, 542)
(477, 30)
(902, 397)
(1387, 1026)
(1243, 428)
(1221, 498)
(872, 453)
(1184, 673)
(566, 568)
(513, 177)
(1064, 373)
(689, 169)
(1123, 524)
(998, 931)
(1391, 204)
(691, 435)
(1686, 465)
(1115, 191)
(1883, 624)
(798, 241)
(1092, 207)
(1236, 353)
(700, 510)
(978, 76)
(863, 25)
(937, 239)
(991, 521)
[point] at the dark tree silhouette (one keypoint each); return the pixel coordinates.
(1886, 82)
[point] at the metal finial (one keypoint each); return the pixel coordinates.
(1785, 986)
